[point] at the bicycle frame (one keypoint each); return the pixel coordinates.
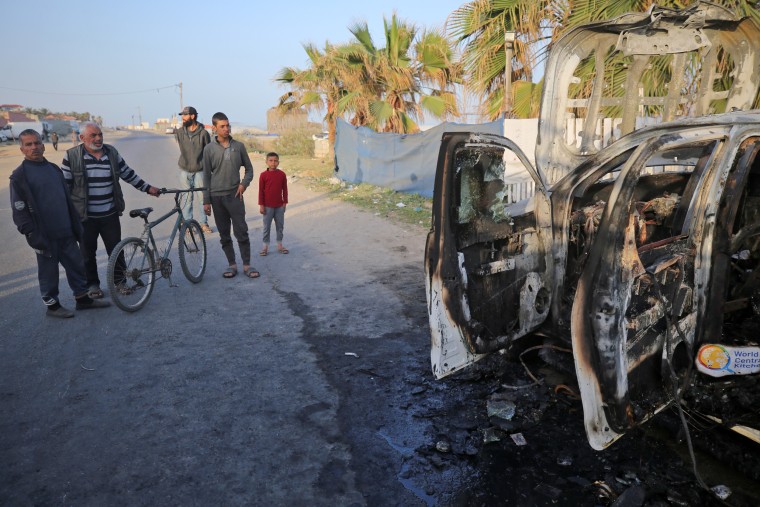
(133, 267)
(147, 234)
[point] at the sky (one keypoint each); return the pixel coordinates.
(124, 60)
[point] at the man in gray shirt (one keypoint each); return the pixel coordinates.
(192, 138)
(222, 159)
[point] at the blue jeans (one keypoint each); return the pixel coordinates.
(194, 199)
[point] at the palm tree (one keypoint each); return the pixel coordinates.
(480, 27)
(318, 87)
(391, 88)
(388, 89)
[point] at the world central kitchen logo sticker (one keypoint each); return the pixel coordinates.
(720, 360)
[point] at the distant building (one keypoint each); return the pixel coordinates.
(61, 117)
(15, 116)
(165, 123)
(11, 107)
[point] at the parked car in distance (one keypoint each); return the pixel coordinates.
(637, 241)
(6, 133)
(169, 130)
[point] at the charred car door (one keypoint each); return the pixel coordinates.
(488, 254)
(656, 287)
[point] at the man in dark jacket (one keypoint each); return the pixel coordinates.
(44, 213)
(192, 138)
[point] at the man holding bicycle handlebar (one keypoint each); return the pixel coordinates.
(93, 171)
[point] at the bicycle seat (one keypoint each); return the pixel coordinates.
(142, 212)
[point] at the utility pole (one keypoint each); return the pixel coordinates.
(181, 103)
(509, 47)
(139, 115)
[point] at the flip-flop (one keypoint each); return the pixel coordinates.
(263, 253)
(282, 250)
(95, 294)
(230, 273)
(251, 273)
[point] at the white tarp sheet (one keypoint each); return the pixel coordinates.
(403, 162)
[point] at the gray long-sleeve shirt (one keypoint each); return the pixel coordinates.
(221, 168)
(191, 144)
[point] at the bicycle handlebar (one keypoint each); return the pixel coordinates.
(179, 190)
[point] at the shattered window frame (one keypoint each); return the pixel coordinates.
(480, 197)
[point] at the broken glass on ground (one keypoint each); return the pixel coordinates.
(503, 409)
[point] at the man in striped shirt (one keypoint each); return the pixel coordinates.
(93, 170)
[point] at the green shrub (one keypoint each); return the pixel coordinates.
(252, 144)
(296, 142)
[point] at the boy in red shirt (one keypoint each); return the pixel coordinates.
(273, 198)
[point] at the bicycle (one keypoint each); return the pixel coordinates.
(133, 266)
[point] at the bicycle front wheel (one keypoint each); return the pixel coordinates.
(192, 251)
(131, 273)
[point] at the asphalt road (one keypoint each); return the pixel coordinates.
(228, 392)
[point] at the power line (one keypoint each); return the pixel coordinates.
(92, 94)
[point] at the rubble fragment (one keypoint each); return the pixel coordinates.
(502, 409)
(443, 446)
(519, 439)
(631, 497)
(721, 491)
(491, 435)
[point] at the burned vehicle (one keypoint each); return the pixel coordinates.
(636, 238)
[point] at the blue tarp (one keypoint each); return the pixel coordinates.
(403, 162)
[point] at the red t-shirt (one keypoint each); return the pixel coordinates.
(273, 188)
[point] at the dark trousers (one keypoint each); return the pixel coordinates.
(109, 230)
(230, 211)
(66, 253)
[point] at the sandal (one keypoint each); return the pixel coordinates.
(230, 273)
(251, 273)
(95, 293)
(282, 250)
(263, 253)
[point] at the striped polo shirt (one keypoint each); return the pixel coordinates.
(100, 201)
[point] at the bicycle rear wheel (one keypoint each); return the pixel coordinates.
(131, 273)
(192, 251)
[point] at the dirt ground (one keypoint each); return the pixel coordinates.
(316, 390)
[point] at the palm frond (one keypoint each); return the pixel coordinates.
(360, 31)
